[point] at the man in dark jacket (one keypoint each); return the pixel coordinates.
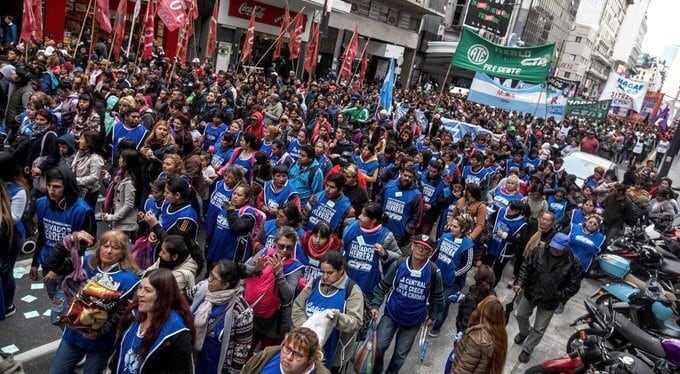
(550, 276)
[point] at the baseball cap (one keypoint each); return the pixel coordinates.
(559, 241)
(424, 240)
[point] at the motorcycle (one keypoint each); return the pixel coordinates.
(663, 355)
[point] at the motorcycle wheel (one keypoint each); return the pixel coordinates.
(588, 332)
(595, 272)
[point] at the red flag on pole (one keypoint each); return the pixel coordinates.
(119, 27)
(38, 19)
(312, 49)
(296, 38)
(103, 15)
(149, 27)
(193, 8)
(363, 66)
(284, 29)
(27, 21)
(249, 40)
(349, 56)
(172, 13)
(183, 42)
(212, 33)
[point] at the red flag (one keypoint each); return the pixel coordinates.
(38, 19)
(192, 7)
(363, 66)
(27, 21)
(149, 28)
(212, 34)
(172, 13)
(103, 15)
(183, 42)
(312, 49)
(284, 29)
(249, 40)
(349, 56)
(296, 37)
(119, 27)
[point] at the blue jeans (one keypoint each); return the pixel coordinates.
(387, 328)
(448, 291)
(68, 355)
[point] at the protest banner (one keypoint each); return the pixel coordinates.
(595, 110)
(623, 92)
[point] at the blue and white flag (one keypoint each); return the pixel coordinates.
(388, 88)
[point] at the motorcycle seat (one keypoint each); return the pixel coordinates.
(638, 337)
(671, 267)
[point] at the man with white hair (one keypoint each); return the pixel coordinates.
(273, 110)
(384, 120)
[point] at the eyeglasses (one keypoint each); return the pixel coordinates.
(285, 351)
(281, 247)
(212, 277)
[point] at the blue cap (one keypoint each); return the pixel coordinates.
(559, 241)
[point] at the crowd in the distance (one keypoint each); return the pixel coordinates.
(309, 198)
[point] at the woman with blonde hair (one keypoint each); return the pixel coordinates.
(173, 166)
(484, 346)
(299, 353)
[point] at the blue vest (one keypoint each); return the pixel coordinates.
(274, 199)
(470, 176)
(270, 229)
(246, 164)
(432, 190)
(363, 263)
(220, 157)
(502, 199)
(557, 207)
(168, 220)
(577, 216)
(127, 282)
(397, 206)
(220, 195)
(129, 361)
(368, 168)
(120, 132)
(407, 303)
(212, 134)
(317, 302)
(329, 211)
(294, 149)
(585, 246)
(497, 245)
(451, 251)
(266, 148)
(224, 240)
(13, 190)
(151, 205)
(58, 224)
(534, 162)
(444, 217)
(312, 267)
(510, 163)
(207, 360)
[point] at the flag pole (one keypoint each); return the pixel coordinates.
(94, 16)
(300, 12)
(132, 29)
(143, 33)
(362, 57)
(82, 28)
(113, 43)
(441, 90)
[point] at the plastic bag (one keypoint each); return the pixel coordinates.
(364, 358)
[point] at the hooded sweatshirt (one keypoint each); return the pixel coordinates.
(70, 141)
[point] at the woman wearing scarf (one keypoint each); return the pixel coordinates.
(43, 149)
(86, 117)
(223, 320)
(315, 244)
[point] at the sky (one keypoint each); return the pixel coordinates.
(662, 19)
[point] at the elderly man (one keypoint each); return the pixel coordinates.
(273, 110)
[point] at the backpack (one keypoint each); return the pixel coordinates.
(54, 82)
(261, 291)
(260, 217)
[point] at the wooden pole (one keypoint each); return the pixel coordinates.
(94, 16)
(362, 57)
(441, 91)
(82, 28)
(300, 12)
(138, 58)
(113, 44)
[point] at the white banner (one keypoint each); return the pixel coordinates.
(623, 92)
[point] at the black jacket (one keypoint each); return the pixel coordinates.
(548, 280)
(170, 357)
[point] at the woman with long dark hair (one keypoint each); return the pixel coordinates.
(157, 333)
(125, 193)
(88, 164)
(86, 117)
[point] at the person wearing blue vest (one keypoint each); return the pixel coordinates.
(178, 216)
(277, 192)
(231, 238)
(331, 206)
(432, 184)
(295, 146)
(299, 353)
(130, 128)
(579, 215)
(305, 184)
(334, 293)
(517, 161)
(532, 160)
(154, 202)
(158, 329)
(59, 213)
(12, 177)
(279, 155)
(586, 240)
(503, 195)
(367, 163)
(475, 171)
(451, 195)
(454, 259)
(222, 152)
(213, 131)
(222, 193)
(111, 266)
(313, 245)
(509, 234)
(287, 215)
(557, 203)
(415, 297)
(403, 204)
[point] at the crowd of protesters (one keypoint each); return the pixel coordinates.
(312, 196)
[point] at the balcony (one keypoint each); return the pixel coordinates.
(600, 57)
(416, 7)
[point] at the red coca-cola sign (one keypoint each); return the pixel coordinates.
(264, 13)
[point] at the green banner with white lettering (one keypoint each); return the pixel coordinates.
(528, 64)
(595, 110)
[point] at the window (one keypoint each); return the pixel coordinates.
(578, 39)
(567, 74)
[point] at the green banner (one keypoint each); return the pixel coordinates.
(596, 110)
(530, 64)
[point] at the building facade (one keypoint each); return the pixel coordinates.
(575, 59)
(632, 32)
(540, 22)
